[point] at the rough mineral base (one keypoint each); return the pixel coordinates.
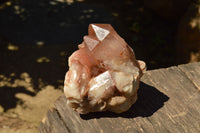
(103, 73)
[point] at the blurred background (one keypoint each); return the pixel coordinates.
(38, 36)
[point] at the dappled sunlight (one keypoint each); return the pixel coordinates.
(61, 81)
(40, 43)
(115, 14)
(50, 21)
(41, 83)
(63, 53)
(5, 4)
(88, 11)
(55, 2)
(24, 80)
(18, 9)
(18, 96)
(69, 2)
(12, 47)
(43, 60)
(195, 23)
(43, 63)
(29, 88)
(38, 105)
(65, 1)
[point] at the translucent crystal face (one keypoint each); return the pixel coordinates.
(90, 42)
(111, 45)
(104, 74)
(104, 80)
(100, 32)
(99, 85)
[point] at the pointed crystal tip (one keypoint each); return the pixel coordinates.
(90, 42)
(100, 32)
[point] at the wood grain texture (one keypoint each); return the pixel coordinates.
(168, 101)
(53, 123)
(180, 113)
(192, 71)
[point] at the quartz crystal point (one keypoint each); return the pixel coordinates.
(103, 74)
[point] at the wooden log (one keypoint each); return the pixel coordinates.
(168, 101)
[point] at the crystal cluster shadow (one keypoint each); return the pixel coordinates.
(149, 101)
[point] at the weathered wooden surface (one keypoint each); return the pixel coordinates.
(168, 101)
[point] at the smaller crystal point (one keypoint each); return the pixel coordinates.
(100, 32)
(103, 74)
(90, 42)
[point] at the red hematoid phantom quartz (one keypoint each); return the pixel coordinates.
(103, 74)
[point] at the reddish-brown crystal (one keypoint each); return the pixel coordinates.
(103, 74)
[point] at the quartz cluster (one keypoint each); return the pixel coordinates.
(103, 73)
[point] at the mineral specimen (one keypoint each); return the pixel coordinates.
(103, 74)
